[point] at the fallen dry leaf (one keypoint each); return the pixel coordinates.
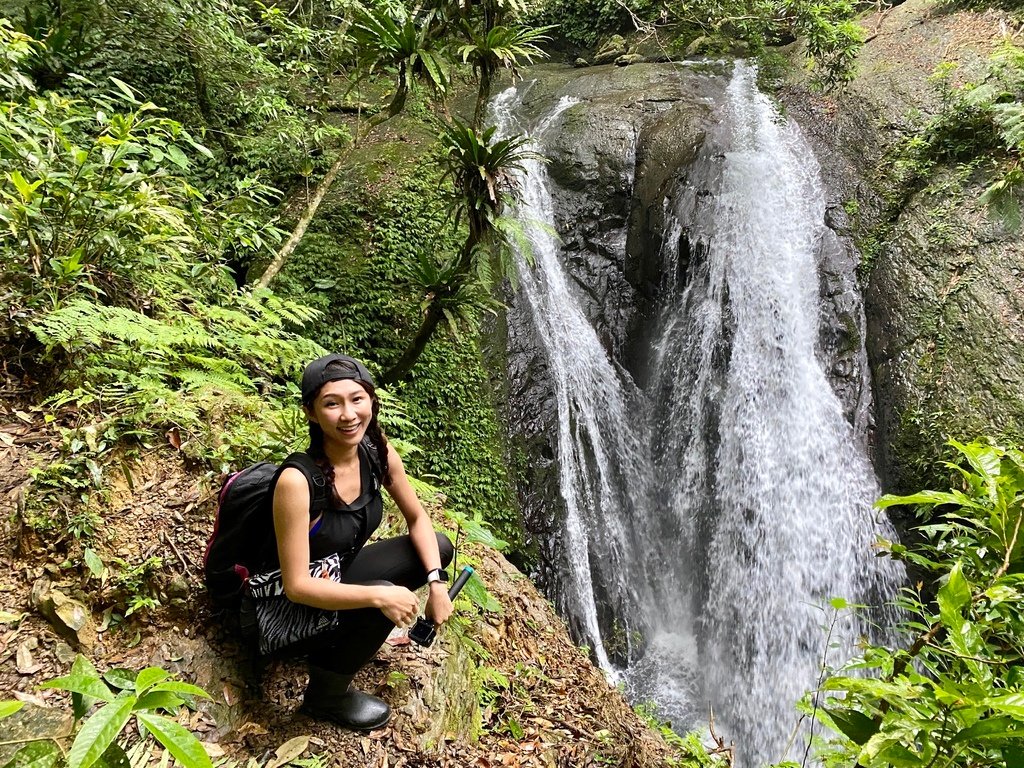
(289, 751)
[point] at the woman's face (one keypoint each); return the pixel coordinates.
(343, 410)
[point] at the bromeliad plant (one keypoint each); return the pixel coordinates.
(122, 696)
(482, 171)
(409, 43)
(501, 46)
(955, 696)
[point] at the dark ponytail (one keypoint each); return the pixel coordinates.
(316, 452)
(376, 435)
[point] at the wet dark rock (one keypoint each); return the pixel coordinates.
(612, 158)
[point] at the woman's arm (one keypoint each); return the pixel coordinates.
(421, 531)
(291, 527)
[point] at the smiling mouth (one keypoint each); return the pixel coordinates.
(350, 427)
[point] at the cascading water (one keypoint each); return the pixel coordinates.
(729, 478)
(600, 457)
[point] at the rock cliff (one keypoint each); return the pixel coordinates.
(943, 280)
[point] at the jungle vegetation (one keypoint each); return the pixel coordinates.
(185, 225)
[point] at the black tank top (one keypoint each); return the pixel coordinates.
(345, 528)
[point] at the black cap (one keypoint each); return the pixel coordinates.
(320, 371)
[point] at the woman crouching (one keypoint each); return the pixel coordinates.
(375, 591)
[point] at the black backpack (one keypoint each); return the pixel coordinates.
(243, 539)
(243, 534)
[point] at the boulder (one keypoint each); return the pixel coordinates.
(611, 50)
(628, 58)
(69, 617)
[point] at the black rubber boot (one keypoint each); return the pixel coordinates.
(329, 696)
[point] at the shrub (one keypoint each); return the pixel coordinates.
(955, 695)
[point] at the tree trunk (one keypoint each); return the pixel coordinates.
(300, 228)
(483, 94)
(314, 203)
(432, 318)
(412, 353)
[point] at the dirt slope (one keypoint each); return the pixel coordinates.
(512, 691)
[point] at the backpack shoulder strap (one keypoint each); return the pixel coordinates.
(318, 493)
(376, 470)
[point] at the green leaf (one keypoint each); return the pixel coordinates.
(124, 88)
(100, 730)
(856, 726)
(159, 700)
(177, 157)
(38, 754)
(180, 742)
(8, 708)
(1013, 755)
(478, 594)
(25, 189)
(984, 458)
(952, 597)
(93, 562)
(201, 149)
(1010, 703)
(149, 677)
(84, 679)
(176, 686)
(120, 678)
(989, 729)
(113, 757)
(80, 705)
(924, 497)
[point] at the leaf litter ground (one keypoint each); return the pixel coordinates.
(515, 680)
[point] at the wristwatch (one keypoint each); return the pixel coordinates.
(437, 575)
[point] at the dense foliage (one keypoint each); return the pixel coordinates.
(953, 693)
(114, 277)
(134, 224)
(716, 26)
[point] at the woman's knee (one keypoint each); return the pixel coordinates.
(445, 548)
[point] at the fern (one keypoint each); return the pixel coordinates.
(182, 366)
(1010, 120)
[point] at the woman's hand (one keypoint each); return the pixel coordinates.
(399, 604)
(439, 605)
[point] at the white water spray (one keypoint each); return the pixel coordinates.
(756, 502)
(600, 457)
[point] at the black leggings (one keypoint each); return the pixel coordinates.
(362, 631)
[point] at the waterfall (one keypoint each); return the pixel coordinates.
(725, 478)
(600, 454)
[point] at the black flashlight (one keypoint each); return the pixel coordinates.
(424, 630)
